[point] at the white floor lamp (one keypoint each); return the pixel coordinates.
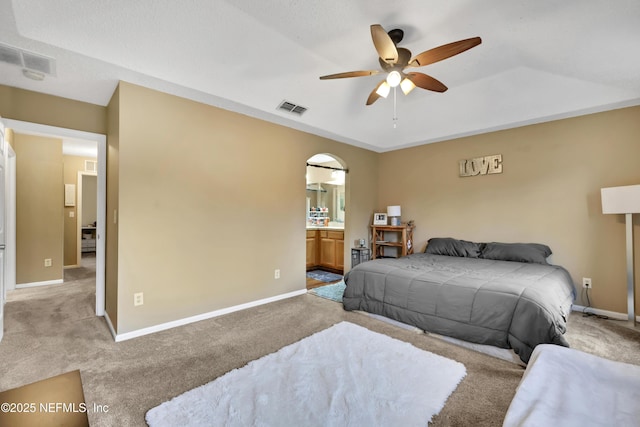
(625, 200)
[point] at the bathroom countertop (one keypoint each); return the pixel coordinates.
(322, 227)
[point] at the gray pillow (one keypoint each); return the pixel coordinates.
(452, 247)
(520, 252)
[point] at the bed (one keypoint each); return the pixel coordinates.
(567, 387)
(500, 294)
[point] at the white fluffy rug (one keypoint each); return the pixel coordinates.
(344, 375)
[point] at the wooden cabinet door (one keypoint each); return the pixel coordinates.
(312, 252)
(328, 253)
(340, 254)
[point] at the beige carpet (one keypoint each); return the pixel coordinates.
(52, 331)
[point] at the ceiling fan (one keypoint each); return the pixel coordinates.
(394, 60)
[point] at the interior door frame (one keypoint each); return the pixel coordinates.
(10, 231)
(3, 150)
(45, 130)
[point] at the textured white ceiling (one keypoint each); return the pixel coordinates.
(538, 60)
(82, 148)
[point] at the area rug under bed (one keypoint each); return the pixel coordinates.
(343, 375)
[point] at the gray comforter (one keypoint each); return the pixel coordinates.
(501, 303)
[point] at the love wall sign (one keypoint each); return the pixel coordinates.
(481, 165)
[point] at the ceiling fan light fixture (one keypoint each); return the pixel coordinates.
(395, 60)
(407, 86)
(393, 79)
(384, 89)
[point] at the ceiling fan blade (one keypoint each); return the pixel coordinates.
(373, 96)
(426, 82)
(350, 74)
(443, 52)
(384, 45)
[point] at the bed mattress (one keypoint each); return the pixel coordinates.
(502, 303)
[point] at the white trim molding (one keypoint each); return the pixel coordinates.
(204, 316)
(597, 311)
(36, 284)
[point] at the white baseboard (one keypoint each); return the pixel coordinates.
(36, 284)
(199, 317)
(610, 314)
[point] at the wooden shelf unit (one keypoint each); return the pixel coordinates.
(403, 241)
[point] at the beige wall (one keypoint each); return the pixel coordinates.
(549, 193)
(34, 107)
(211, 203)
(39, 208)
(111, 242)
(8, 136)
(187, 245)
(72, 165)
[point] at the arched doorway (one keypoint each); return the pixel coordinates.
(325, 219)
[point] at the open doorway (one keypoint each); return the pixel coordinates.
(81, 229)
(86, 224)
(325, 220)
(99, 170)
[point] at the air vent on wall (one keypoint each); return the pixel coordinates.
(27, 60)
(292, 108)
(91, 166)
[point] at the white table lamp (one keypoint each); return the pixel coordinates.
(625, 200)
(394, 213)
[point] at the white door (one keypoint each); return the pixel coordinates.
(3, 170)
(3, 173)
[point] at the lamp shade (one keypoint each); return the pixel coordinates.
(621, 200)
(407, 86)
(384, 89)
(393, 211)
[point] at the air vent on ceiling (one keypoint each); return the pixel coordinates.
(10, 55)
(29, 60)
(292, 108)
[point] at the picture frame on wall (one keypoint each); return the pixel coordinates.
(379, 218)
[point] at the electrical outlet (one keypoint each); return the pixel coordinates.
(276, 274)
(586, 282)
(138, 299)
(47, 262)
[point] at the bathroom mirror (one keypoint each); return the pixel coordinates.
(325, 192)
